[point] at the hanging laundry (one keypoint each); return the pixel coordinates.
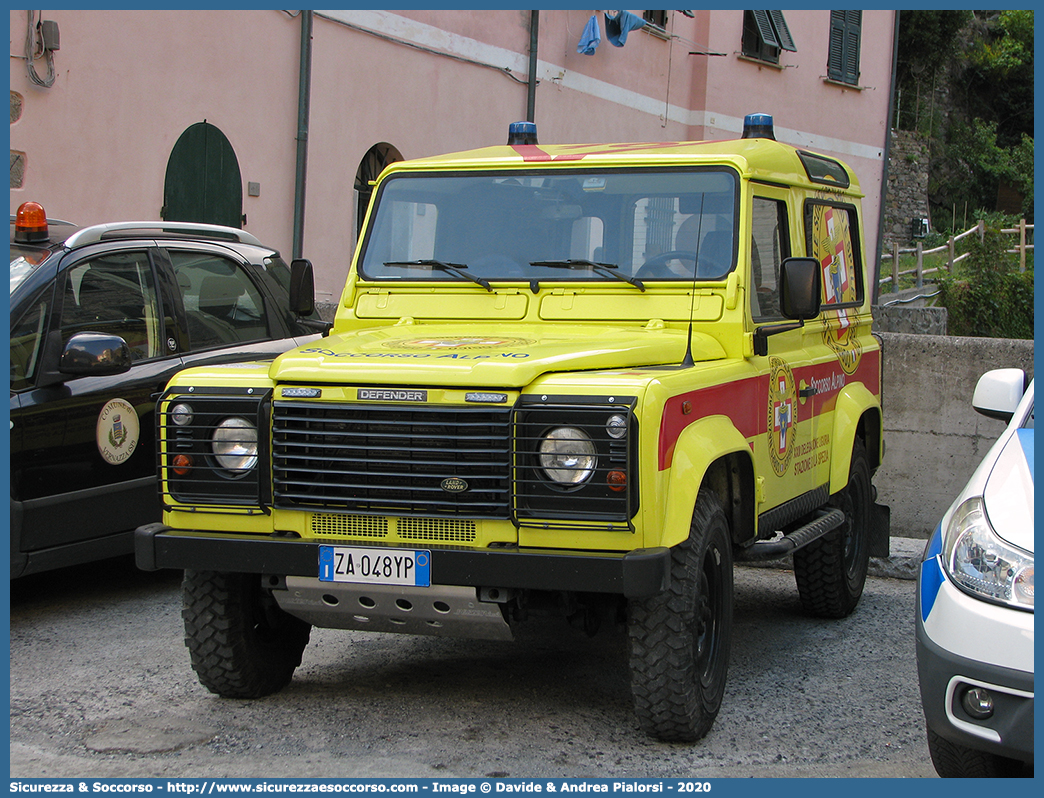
(617, 27)
(590, 38)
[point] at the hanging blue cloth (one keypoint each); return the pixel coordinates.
(617, 28)
(590, 38)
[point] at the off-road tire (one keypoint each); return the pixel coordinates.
(241, 643)
(680, 639)
(831, 571)
(954, 761)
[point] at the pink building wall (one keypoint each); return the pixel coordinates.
(129, 83)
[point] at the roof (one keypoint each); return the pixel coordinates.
(755, 158)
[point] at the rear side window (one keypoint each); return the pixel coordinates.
(831, 238)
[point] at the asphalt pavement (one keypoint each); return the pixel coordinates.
(101, 687)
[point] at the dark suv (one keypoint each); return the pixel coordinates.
(101, 318)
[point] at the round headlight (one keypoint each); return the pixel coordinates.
(568, 456)
(234, 444)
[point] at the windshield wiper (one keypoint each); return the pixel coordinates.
(452, 268)
(605, 269)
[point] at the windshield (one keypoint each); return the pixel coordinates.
(23, 261)
(622, 225)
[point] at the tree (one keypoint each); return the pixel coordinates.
(965, 80)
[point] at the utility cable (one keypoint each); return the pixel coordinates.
(30, 55)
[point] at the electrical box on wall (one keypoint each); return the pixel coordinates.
(49, 35)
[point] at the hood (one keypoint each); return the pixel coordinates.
(469, 355)
(1008, 492)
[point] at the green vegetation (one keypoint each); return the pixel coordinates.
(965, 82)
(986, 295)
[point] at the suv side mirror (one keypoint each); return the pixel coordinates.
(89, 354)
(800, 288)
(302, 295)
(302, 287)
(800, 292)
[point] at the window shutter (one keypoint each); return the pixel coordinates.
(843, 58)
(852, 36)
(768, 36)
(779, 24)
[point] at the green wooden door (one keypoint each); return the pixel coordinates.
(203, 182)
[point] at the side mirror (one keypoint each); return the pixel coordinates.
(998, 393)
(800, 288)
(800, 295)
(302, 287)
(91, 354)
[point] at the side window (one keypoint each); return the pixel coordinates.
(222, 304)
(114, 293)
(27, 339)
(829, 239)
(769, 245)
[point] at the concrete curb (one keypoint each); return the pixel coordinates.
(902, 562)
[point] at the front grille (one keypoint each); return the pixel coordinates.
(392, 459)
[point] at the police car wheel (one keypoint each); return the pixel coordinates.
(831, 571)
(242, 645)
(955, 761)
(680, 639)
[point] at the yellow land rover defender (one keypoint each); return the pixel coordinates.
(581, 378)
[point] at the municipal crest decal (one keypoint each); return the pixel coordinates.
(117, 431)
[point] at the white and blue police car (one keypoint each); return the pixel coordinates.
(975, 603)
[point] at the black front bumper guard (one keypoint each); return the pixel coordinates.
(635, 574)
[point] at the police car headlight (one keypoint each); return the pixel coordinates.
(982, 564)
(568, 456)
(234, 445)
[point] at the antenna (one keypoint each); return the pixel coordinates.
(687, 361)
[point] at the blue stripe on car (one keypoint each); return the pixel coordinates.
(931, 574)
(1026, 439)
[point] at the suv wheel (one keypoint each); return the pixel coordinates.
(241, 643)
(831, 571)
(680, 639)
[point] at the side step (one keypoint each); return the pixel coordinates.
(825, 521)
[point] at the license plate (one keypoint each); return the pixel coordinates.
(375, 566)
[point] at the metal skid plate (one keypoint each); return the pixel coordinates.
(438, 610)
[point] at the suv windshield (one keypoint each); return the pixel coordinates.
(629, 225)
(23, 260)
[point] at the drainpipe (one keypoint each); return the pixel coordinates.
(875, 295)
(534, 28)
(303, 105)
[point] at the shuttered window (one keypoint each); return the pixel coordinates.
(843, 60)
(765, 33)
